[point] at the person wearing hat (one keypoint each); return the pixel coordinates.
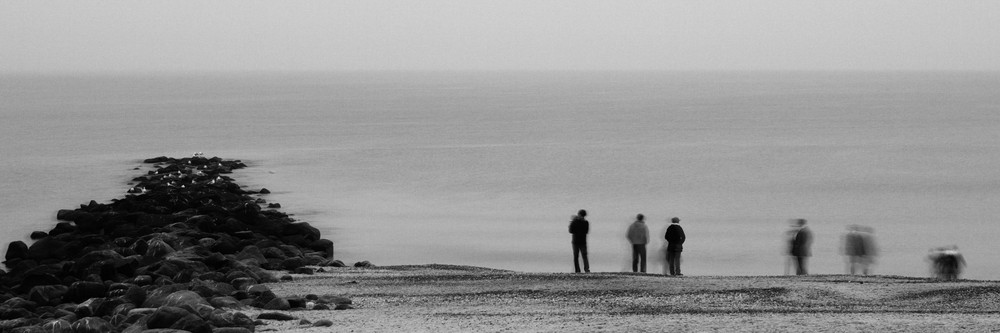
(579, 227)
(799, 247)
(638, 236)
(675, 244)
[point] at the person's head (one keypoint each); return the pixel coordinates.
(582, 213)
(675, 220)
(640, 217)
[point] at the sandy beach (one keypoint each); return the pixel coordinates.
(445, 298)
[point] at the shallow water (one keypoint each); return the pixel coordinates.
(487, 168)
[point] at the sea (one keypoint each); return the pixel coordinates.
(487, 168)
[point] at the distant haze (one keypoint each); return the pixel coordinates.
(89, 36)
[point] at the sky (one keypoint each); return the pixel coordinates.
(250, 35)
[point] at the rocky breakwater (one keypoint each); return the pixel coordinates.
(185, 249)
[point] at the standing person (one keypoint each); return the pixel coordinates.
(855, 250)
(675, 244)
(579, 227)
(638, 235)
(800, 246)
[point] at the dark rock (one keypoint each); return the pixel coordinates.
(364, 264)
(168, 316)
(48, 294)
(16, 250)
(343, 307)
(92, 325)
(277, 303)
(337, 263)
(82, 290)
(296, 302)
(232, 330)
(275, 316)
(62, 228)
(264, 191)
(226, 302)
(331, 299)
(274, 205)
(291, 264)
(304, 270)
(184, 299)
(48, 248)
(286, 278)
(57, 326)
(321, 307)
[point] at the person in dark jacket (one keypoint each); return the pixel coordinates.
(579, 227)
(675, 244)
(799, 247)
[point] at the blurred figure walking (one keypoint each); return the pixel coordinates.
(859, 248)
(799, 246)
(947, 262)
(638, 235)
(579, 227)
(675, 244)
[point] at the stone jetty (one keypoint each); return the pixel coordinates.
(185, 249)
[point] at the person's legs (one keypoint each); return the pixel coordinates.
(672, 262)
(635, 258)
(642, 258)
(800, 267)
(576, 257)
(677, 263)
(586, 263)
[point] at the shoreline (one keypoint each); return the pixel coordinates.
(437, 297)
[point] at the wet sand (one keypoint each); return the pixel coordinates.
(443, 298)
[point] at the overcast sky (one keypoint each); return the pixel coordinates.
(132, 35)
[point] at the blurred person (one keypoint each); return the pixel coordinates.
(859, 248)
(638, 236)
(946, 262)
(675, 245)
(799, 246)
(579, 227)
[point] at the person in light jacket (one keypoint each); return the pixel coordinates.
(638, 235)
(675, 244)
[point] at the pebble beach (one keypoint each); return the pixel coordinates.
(445, 298)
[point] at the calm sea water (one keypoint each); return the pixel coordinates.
(487, 168)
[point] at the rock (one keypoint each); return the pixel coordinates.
(176, 318)
(48, 248)
(292, 264)
(277, 303)
(323, 245)
(330, 299)
(57, 326)
(16, 250)
(364, 264)
(226, 302)
(158, 249)
(184, 299)
(232, 330)
(92, 325)
(48, 294)
(82, 290)
(275, 316)
(304, 270)
(323, 323)
(36, 235)
(343, 307)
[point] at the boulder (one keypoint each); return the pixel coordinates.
(275, 316)
(92, 325)
(82, 290)
(57, 326)
(48, 294)
(16, 250)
